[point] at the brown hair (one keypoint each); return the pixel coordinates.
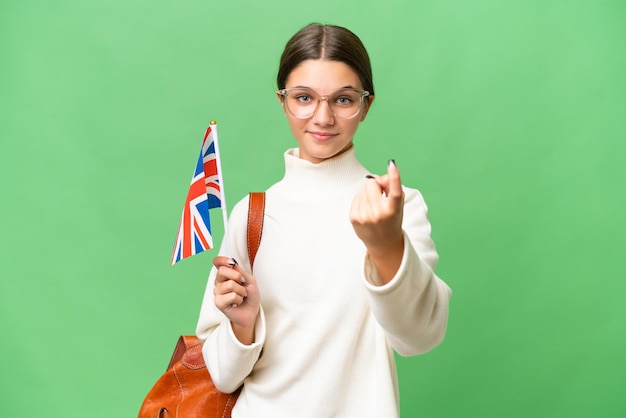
(335, 43)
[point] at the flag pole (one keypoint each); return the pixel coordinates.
(222, 188)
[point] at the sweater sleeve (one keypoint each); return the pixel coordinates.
(228, 360)
(413, 307)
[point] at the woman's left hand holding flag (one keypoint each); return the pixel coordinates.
(237, 296)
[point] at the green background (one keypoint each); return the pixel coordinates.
(507, 115)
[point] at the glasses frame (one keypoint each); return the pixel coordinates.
(285, 93)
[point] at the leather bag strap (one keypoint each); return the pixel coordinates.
(185, 342)
(256, 212)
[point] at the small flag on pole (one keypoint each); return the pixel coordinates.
(206, 192)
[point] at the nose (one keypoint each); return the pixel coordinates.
(323, 115)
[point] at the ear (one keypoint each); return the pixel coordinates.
(281, 99)
(366, 107)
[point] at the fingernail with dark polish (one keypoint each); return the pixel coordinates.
(392, 163)
(232, 262)
(369, 176)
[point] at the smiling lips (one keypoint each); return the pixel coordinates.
(322, 136)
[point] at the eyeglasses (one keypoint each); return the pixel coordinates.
(343, 103)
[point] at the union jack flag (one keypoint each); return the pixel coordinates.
(194, 232)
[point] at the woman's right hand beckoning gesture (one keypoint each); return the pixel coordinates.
(376, 215)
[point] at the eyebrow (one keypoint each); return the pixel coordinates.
(349, 86)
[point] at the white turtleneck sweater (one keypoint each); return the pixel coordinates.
(327, 330)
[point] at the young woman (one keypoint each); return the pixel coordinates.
(344, 273)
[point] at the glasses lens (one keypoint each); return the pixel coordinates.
(344, 103)
(301, 102)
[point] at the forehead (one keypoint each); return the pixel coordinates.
(323, 75)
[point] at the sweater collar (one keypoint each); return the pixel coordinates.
(336, 173)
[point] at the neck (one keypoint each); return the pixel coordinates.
(332, 175)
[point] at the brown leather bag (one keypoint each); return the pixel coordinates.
(186, 390)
